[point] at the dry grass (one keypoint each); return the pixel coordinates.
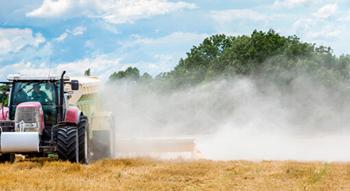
(147, 174)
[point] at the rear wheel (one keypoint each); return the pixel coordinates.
(102, 142)
(84, 152)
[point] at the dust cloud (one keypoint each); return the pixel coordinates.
(240, 118)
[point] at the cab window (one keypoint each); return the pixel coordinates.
(34, 91)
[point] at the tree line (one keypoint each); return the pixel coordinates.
(266, 55)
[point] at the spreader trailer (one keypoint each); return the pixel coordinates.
(106, 141)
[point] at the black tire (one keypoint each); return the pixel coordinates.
(66, 144)
(7, 157)
(84, 152)
(103, 142)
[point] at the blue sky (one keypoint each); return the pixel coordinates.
(47, 36)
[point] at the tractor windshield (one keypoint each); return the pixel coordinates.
(34, 91)
(43, 92)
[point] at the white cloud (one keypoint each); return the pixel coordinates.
(89, 44)
(100, 65)
(230, 15)
(344, 17)
(12, 40)
(291, 3)
(317, 28)
(112, 11)
(160, 63)
(38, 39)
(77, 31)
(326, 11)
(23, 68)
(326, 33)
(127, 11)
(163, 62)
(304, 24)
(313, 29)
(51, 8)
(156, 55)
(104, 65)
(322, 32)
(173, 38)
(62, 37)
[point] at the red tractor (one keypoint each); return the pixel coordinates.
(39, 123)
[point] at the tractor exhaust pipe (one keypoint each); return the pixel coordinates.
(61, 96)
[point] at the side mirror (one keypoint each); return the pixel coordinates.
(74, 84)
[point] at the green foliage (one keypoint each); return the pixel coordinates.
(87, 72)
(3, 94)
(146, 77)
(261, 54)
(131, 74)
(266, 54)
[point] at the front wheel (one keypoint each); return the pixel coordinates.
(7, 157)
(71, 144)
(67, 140)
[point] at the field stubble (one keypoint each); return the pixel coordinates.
(148, 174)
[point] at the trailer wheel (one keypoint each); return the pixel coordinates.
(100, 144)
(7, 157)
(84, 152)
(67, 144)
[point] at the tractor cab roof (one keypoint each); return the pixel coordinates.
(19, 77)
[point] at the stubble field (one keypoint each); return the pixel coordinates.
(148, 174)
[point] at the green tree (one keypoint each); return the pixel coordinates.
(131, 73)
(146, 77)
(266, 54)
(3, 94)
(87, 72)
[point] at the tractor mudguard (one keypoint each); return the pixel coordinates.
(72, 115)
(3, 113)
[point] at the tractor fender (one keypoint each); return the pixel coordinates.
(72, 115)
(3, 113)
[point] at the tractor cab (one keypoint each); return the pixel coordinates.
(44, 91)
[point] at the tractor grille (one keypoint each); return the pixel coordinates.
(26, 114)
